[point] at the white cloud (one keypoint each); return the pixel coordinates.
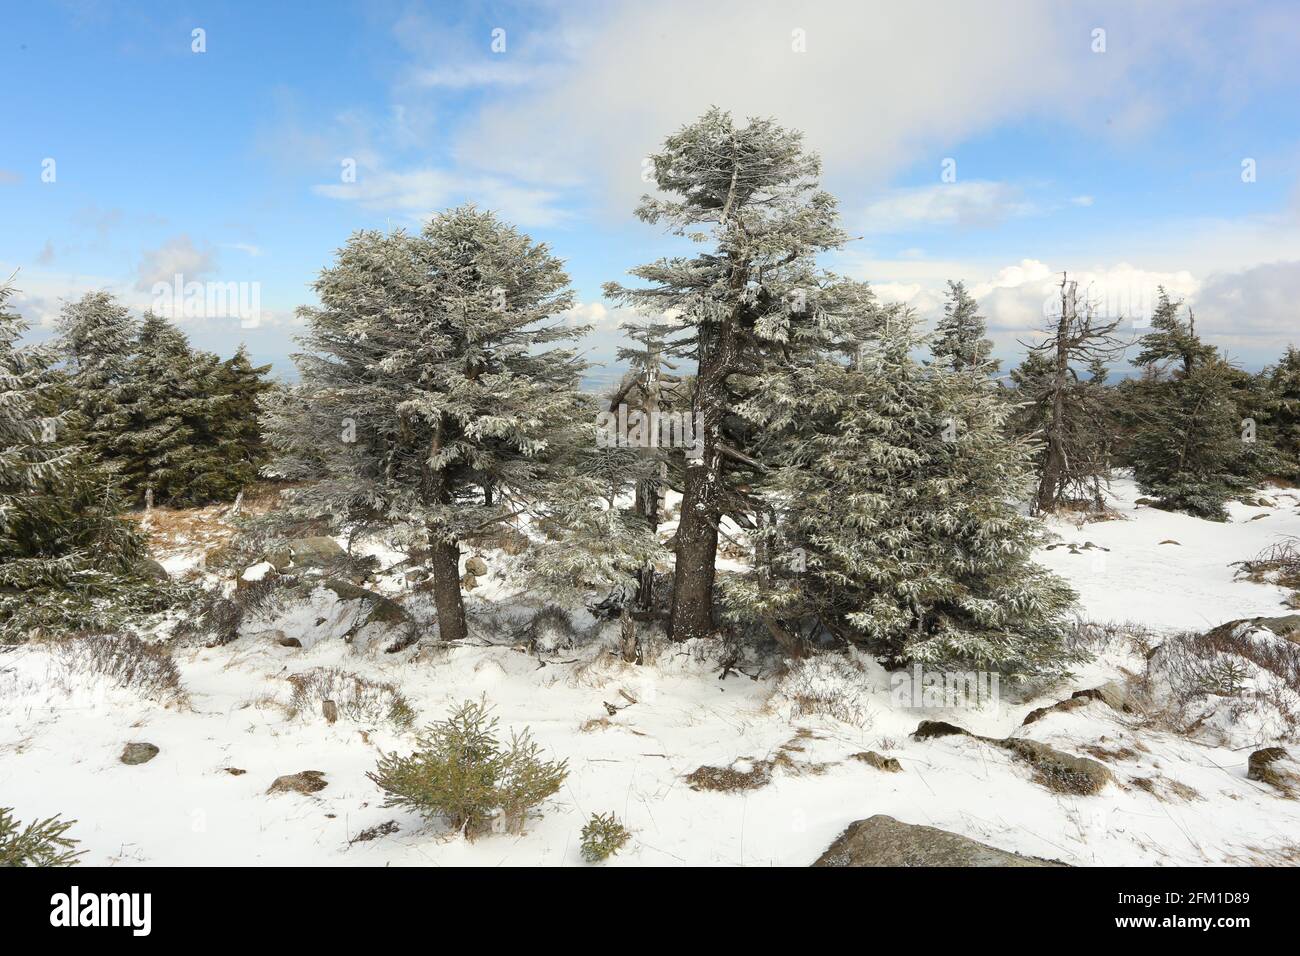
(420, 193)
(960, 204)
(178, 256)
(868, 103)
(494, 72)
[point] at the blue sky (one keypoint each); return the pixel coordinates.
(1122, 165)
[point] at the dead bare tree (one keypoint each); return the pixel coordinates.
(1075, 463)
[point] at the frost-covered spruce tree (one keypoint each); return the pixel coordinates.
(959, 340)
(1284, 427)
(236, 425)
(435, 368)
(96, 342)
(752, 298)
(1195, 444)
(1188, 449)
(173, 445)
(64, 552)
(895, 489)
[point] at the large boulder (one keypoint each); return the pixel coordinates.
(1287, 626)
(883, 841)
(1060, 771)
(1273, 766)
(154, 569)
(316, 551)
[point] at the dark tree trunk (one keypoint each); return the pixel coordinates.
(697, 550)
(1050, 486)
(445, 558)
(444, 554)
(697, 529)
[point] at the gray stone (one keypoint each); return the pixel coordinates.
(314, 551)
(1062, 772)
(304, 782)
(1112, 693)
(939, 728)
(879, 761)
(883, 841)
(138, 752)
(154, 570)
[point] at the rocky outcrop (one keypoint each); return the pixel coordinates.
(1113, 694)
(883, 841)
(1054, 769)
(1062, 772)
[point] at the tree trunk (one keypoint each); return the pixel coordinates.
(445, 558)
(1054, 467)
(444, 554)
(697, 529)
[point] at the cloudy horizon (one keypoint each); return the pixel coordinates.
(1131, 148)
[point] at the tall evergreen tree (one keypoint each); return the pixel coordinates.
(752, 300)
(1196, 444)
(172, 403)
(97, 341)
(894, 486)
(959, 340)
(64, 552)
(236, 429)
(1283, 381)
(433, 367)
(1188, 449)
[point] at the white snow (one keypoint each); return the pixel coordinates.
(61, 734)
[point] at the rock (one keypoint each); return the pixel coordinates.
(329, 710)
(476, 566)
(468, 582)
(304, 782)
(154, 570)
(938, 728)
(1286, 626)
(1059, 771)
(1066, 705)
(1260, 766)
(383, 610)
(138, 753)
(880, 762)
(1146, 501)
(255, 574)
(1112, 693)
(315, 551)
(1171, 541)
(884, 841)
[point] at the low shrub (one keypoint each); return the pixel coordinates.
(357, 699)
(41, 843)
(125, 660)
(462, 773)
(602, 837)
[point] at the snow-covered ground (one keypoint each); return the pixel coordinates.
(1176, 799)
